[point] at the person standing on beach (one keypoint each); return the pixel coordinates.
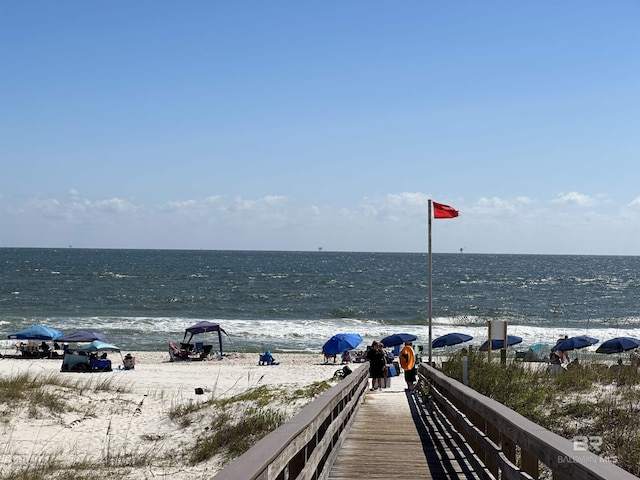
(555, 362)
(562, 354)
(411, 374)
(377, 364)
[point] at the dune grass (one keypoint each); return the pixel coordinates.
(221, 429)
(586, 399)
(238, 422)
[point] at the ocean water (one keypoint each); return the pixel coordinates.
(295, 301)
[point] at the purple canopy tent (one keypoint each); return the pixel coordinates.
(82, 336)
(203, 327)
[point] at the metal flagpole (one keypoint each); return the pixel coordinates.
(430, 293)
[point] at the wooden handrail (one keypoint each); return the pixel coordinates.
(303, 446)
(495, 432)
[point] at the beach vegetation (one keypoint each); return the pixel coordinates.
(586, 398)
(43, 395)
(230, 435)
(310, 391)
(219, 429)
(235, 423)
(180, 412)
(36, 393)
(261, 395)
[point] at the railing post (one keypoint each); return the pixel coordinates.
(529, 463)
(509, 448)
(494, 434)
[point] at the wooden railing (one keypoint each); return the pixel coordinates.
(505, 444)
(510, 446)
(306, 446)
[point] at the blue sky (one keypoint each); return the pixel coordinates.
(288, 125)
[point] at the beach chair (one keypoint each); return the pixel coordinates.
(100, 365)
(329, 356)
(206, 351)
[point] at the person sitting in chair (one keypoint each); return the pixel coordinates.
(267, 359)
(346, 357)
(44, 350)
(129, 362)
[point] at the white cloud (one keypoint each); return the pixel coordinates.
(575, 198)
(261, 204)
(181, 204)
(45, 206)
(76, 210)
(112, 205)
(394, 207)
(634, 203)
(391, 222)
(489, 206)
(407, 199)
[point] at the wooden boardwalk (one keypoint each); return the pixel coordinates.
(394, 435)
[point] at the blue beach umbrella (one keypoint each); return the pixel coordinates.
(618, 345)
(497, 344)
(341, 342)
(398, 339)
(573, 343)
(450, 339)
(36, 332)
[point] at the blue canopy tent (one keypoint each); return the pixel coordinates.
(36, 332)
(82, 359)
(204, 327)
(537, 353)
(98, 346)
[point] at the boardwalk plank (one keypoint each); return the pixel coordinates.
(387, 440)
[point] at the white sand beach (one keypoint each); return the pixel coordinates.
(131, 414)
(110, 417)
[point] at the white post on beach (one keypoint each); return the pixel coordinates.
(465, 370)
(429, 283)
(489, 341)
(498, 331)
